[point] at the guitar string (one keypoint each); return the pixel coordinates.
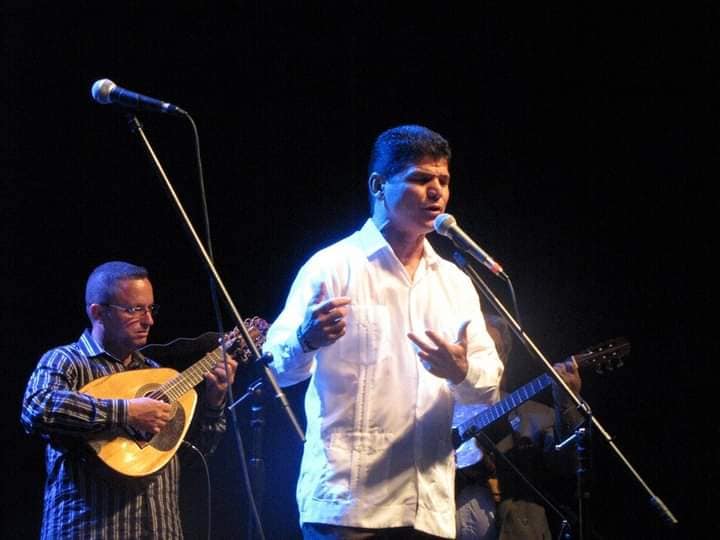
(178, 386)
(183, 383)
(506, 405)
(180, 381)
(527, 391)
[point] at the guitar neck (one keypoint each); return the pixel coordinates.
(466, 429)
(603, 356)
(191, 377)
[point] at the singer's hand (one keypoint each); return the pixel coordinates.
(324, 320)
(442, 358)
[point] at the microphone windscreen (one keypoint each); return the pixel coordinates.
(443, 223)
(100, 91)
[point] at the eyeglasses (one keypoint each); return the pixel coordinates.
(136, 311)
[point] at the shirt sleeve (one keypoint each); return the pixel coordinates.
(208, 426)
(566, 418)
(53, 406)
(289, 362)
(481, 384)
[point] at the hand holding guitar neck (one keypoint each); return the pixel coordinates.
(570, 374)
(219, 378)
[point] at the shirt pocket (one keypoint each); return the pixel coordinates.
(366, 325)
(357, 465)
(327, 470)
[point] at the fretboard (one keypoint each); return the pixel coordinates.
(465, 430)
(188, 379)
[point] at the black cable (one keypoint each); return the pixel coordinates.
(209, 490)
(220, 325)
(514, 300)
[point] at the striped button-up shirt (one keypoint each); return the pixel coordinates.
(84, 498)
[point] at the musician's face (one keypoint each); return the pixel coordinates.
(503, 349)
(127, 332)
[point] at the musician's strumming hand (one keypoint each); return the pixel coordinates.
(324, 320)
(218, 379)
(148, 415)
(442, 358)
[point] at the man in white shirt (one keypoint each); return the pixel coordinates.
(391, 335)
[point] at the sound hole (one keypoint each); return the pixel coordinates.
(169, 435)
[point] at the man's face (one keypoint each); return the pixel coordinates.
(128, 332)
(416, 195)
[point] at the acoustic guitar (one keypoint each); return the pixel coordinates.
(133, 453)
(604, 356)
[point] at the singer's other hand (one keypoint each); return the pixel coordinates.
(443, 358)
(324, 320)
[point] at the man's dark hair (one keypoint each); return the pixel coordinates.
(102, 283)
(400, 146)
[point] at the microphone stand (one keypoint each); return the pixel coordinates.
(259, 360)
(257, 464)
(589, 421)
(136, 127)
(489, 444)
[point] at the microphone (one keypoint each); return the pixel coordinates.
(105, 91)
(446, 225)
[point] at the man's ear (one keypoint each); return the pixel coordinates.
(95, 312)
(376, 183)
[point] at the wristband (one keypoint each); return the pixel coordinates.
(306, 347)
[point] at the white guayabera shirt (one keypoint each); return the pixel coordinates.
(379, 451)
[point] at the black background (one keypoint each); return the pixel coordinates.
(585, 143)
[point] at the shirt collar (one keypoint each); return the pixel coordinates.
(373, 241)
(91, 348)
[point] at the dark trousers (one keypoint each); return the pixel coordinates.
(322, 531)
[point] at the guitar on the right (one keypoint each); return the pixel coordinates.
(602, 357)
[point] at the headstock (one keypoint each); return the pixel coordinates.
(604, 356)
(235, 345)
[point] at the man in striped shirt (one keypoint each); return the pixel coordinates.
(83, 497)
